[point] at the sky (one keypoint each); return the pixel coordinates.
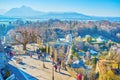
(88, 7)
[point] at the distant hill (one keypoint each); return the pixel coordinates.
(23, 11)
(28, 12)
(65, 15)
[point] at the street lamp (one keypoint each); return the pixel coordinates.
(43, 60)
(52, 66)
(52, 72)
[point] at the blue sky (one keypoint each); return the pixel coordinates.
(89, 7)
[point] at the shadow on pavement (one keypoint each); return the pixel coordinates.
(65, 74)
(47, 61)
(46, 68)
(21, 75)
(35, 58)
(22, 63)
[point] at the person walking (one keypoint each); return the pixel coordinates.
(52, 57)
(37, 51)
(31, 54)
(38, 56)
(59, 63)
(45, 56)
(79, 76)
(11, 54)
(55, 66)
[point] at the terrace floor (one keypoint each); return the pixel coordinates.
(34, 67)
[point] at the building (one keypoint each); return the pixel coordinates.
(113, 49)
(66, 41)
(61, 40)
(68, 38)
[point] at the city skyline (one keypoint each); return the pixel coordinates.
(88, 7)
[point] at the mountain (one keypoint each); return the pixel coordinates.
(23, 11)
(65, 15)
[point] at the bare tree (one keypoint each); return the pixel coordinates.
(25, 35)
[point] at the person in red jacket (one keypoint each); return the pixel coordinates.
(55, 66)
(79, 76)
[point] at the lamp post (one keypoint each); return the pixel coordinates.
(43, 60)
(46, 48)
(52, 72)
(43, 64)
(52, 66)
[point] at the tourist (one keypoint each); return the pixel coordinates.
(55, 66)
(59, 63)
(43, 56)
(38, 56)
(11, 54)
(52, 57)
(79, 76)
(37, 51)
(31, 54)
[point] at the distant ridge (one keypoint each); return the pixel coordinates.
(25, 11)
